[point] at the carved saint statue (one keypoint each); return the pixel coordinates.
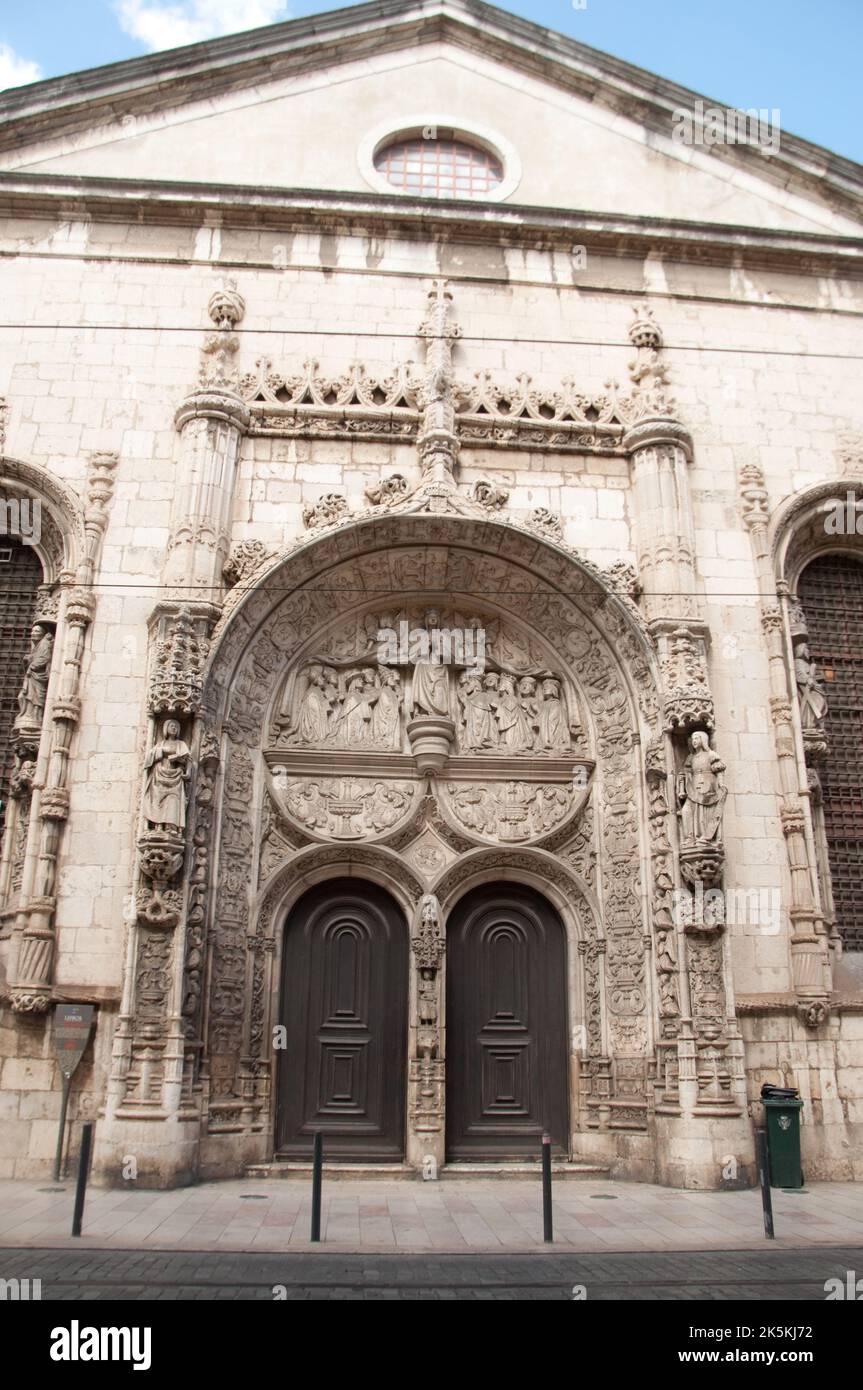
(166, 774)
(313, 721)
(34, 691)
(386, 719)
(430, 683)
(553, 731)
(478, 700)
(701, 794)
(512, 721)
(810, 692)
(360, 697)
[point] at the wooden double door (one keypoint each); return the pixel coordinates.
(345, 993)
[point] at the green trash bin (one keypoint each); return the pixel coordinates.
(783, 1141)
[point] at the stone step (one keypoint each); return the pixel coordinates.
(400, 1172)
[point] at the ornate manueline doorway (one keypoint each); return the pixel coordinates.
(506, 1025)
(345, 1008)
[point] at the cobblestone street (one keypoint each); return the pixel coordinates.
(208, 1275)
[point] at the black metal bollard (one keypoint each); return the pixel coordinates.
(83, 1175)
(317, 1175)
(547, 1232)
(764, 1180)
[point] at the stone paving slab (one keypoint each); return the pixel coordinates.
(458, 1216)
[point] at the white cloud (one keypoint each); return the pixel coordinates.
(161, 25)
(15, 71)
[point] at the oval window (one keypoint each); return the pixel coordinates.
(442, 168)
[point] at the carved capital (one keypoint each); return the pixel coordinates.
(54, 803)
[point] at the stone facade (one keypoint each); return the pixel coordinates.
(265, 427)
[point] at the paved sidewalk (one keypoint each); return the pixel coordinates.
(453, 1215)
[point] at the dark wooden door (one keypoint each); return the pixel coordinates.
(344, 992)
(506, 1064)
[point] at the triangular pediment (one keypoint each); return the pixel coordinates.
(304, 105)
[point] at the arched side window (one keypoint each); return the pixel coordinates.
(20, 577)
(830, 591)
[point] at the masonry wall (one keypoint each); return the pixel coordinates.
(763, 371)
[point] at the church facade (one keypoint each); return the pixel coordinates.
(434, 591)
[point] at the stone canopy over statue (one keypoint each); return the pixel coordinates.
(701, 795)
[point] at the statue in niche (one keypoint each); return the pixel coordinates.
(553, 731)
(478, 699)
(34, 691)
(701, 795)
(430, 681)
(386, 718)
(167, 771)
(810, 692)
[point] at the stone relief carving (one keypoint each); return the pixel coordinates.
(329, 509)
(394, 488)
(513, 812)
(199, 880)
(662, 901)
(362, 696)
(345, 808)
(244, 560)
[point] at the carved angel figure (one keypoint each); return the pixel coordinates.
(34, 691)
(701, 794)
(166, 775)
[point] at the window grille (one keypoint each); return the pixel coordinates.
(831, 592)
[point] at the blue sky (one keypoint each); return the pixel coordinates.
(800, 57)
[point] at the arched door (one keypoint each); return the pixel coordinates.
(506, 1065)
(344, 1006)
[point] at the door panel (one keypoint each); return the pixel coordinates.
(507, 1072)
(344, 994)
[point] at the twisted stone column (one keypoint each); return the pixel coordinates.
(810, 963)
(31, 988)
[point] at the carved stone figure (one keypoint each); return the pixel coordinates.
(553, 731)
(34, 691)
(313, 720)
(478, 700)
(167, 771)
(360, 698)
(701, 794)
(516, 733)
(430, 683)
(386, 717)
(810, 692)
